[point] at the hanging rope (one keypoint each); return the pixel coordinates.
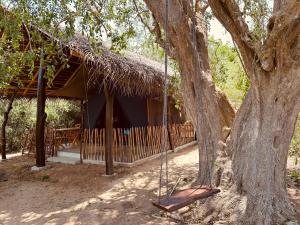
(164, 150)
(164, 154)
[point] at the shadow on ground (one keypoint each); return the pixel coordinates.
(66, 194)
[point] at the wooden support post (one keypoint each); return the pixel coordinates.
(109, 132)
(81, 128)
(41, 117)
(3, 127)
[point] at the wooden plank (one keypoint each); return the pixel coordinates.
(61, 68)
(132, 146)
(77, 54)
(102, 144)
(121, 145)
(138, 143)
(184, 198)
(81, 128)
(93, 144)
(143, 132)
(31, 82)
(73, 75)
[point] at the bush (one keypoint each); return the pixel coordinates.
(295, 144)
(60, 113)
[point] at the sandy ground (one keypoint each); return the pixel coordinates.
(67, 194)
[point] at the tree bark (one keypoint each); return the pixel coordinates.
(265, 123)
(202, 101)
(3, 127)
(259, 142)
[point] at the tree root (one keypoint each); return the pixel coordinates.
(231, 208)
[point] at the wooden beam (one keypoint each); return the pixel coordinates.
(76, 54)
(81, 128)
(61, 68)
(73, 74)
(26, 47)
(31, 82)
(109, 131)
(41, 117)
(55, 75)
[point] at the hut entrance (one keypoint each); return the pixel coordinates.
(127, 112)
(120, 120)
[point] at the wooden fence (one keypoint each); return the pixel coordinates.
(181, 134)
(133, 144)
(129, 145)
(65, 138)
(55, 139)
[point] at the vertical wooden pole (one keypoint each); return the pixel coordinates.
(109, 131)
(41, 116)
(81, 128)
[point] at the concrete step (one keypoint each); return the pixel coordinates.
(65, 160)
(62, 153)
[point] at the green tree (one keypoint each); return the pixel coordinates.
(227, 70)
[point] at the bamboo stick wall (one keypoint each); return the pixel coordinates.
(129, 145)
(134, 144)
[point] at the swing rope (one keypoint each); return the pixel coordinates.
(184, 197)
(164, 150)
(164, 155)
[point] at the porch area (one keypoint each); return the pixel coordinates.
(129, 146)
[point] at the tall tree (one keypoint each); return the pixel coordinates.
(208, 108)
(3, 126)
(265, 123)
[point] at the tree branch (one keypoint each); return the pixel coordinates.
(203, 8)
(229, 14)
(159, 39)
(284, 27)
(140, 16)
(155, 30)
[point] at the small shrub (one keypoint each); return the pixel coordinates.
(295, 177)
(45, 177)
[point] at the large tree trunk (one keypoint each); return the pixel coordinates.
(203, 103)
(265, 123)
(260, 138)
(3, 127)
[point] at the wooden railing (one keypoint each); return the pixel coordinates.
(181, 134)
(129, 145)
(55, 139)
(65, 138)
(134, 144)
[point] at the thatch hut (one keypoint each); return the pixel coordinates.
(118, 93)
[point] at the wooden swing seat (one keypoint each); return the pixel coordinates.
(184, 198)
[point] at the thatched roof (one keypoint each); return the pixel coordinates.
(130, 73)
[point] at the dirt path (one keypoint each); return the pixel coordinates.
(66, 194)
